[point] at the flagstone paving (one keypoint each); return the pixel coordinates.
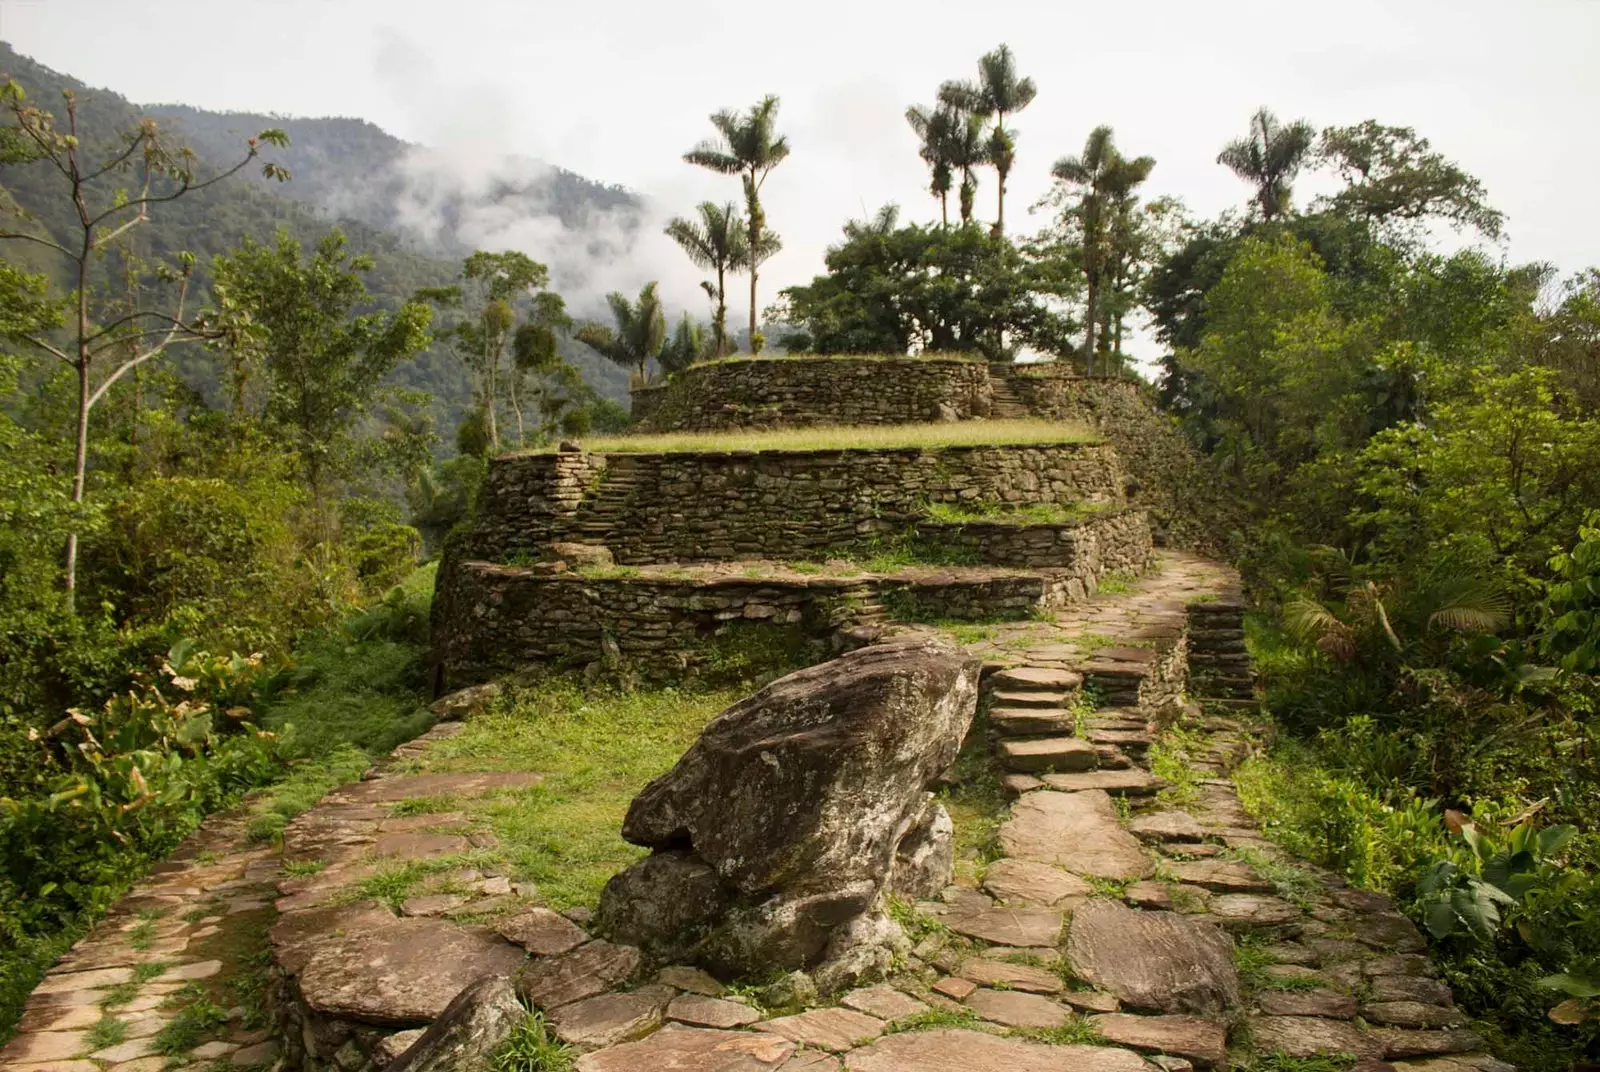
(1112, 912)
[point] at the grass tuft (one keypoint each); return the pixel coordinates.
(926, 436)
(533, 1048)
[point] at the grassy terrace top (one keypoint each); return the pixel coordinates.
(777, 359)
(847, 437)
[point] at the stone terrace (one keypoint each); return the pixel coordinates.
(1119, 917)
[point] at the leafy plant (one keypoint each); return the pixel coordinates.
(1471, 892)
(532, 1047)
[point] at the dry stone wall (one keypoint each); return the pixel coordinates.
(1115, 541)
(810, 391)
(686, 507)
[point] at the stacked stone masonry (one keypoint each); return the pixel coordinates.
(687, 507)
(792, 392)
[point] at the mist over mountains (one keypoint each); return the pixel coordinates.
(417, 210)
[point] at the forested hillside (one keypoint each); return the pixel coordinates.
(336, 155)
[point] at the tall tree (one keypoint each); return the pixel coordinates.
(715, 242)
(968, 149)
(1270, 158)
(1100, 178)
(997, 93)
(325, 363)
(936, 128)
(500, 278)
(1393, 176)
(111, 188)
(535, 351)
(685, 346)
(749, 146)
(639, 333)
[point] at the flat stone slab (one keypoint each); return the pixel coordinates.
(691, 1049)
(1128, 783)
(696, 1010)
(1077, 831)
(1409, 988)
(1388, 932)
(951, 987)
(1307, 1036)
(609, 1019)
(1035, 698)
(695, 981)
(1007, 926)
(584, 972)
(1251, 910)
(955, 1050)
(1220, 876)
(1330, 1004)
(1033, 754)
(834, 1029)
(1012, 879)
(1399, 1043)
(1034, 678)
(1158, 961)
(433, 904)
(884, 1002)
(1012, 1009)
(542, 932)
(1202, 1041)
(1166, 826)
(1032, 721)
(402, 973)
(1023, 977)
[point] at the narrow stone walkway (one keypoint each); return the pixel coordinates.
(1119, 921)
(172, 974)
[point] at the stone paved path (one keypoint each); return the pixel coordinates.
(1123, 920)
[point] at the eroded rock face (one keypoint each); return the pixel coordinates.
(469, 1030)
(783, 825)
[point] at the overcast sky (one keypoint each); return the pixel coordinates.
(618, 90)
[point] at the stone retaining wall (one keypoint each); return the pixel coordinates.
(494, 620)
(1184, 509)
(1116, 541)
(770, 392)
(685, 507)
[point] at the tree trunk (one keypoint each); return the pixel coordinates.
(1089, 321)
(944, 210)
(491, 387)
(516, 407)
(722, 312)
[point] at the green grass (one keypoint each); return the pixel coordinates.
(934, 1019)
(977, 802)
(532, 1048)
(106, 1031)
(1169, 759)
(596, 750)
(194, 1024)
(1077, 1031)
(849, 437)
(303, 868)
(143, 973)
(120, 994)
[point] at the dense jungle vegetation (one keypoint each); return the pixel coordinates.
(223, 474)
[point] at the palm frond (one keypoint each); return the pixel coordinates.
(1468, 605)
(1305, 619)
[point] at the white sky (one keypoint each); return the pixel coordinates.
(617, 91)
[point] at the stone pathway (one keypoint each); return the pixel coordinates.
(1122, 920)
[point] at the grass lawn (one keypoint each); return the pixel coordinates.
(596, 750)
(850, 437)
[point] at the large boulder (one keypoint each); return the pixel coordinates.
(795, 810)
(468, 1032)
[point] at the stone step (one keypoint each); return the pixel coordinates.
(1134, 742)
(1035, 679)
(1041, 698)
(1028, 754)
(1111, 757)
(1032, 721)
(1118, 783)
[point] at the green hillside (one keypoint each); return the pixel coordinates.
(211, 221)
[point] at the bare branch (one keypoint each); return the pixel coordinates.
(186, 187)
(41, 241)
(119, 159)
(49, 349)
(155, 351)
(107, 239)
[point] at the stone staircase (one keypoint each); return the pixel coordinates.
(1219, 664)
(1035, 714)
(600, 512)
(1004, 402)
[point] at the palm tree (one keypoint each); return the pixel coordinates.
(1270, 158)
(714, 242)
(1103, 177)
(748, 146)
(639, 334)
(967, 150)
(936, 127)
(997, 93)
